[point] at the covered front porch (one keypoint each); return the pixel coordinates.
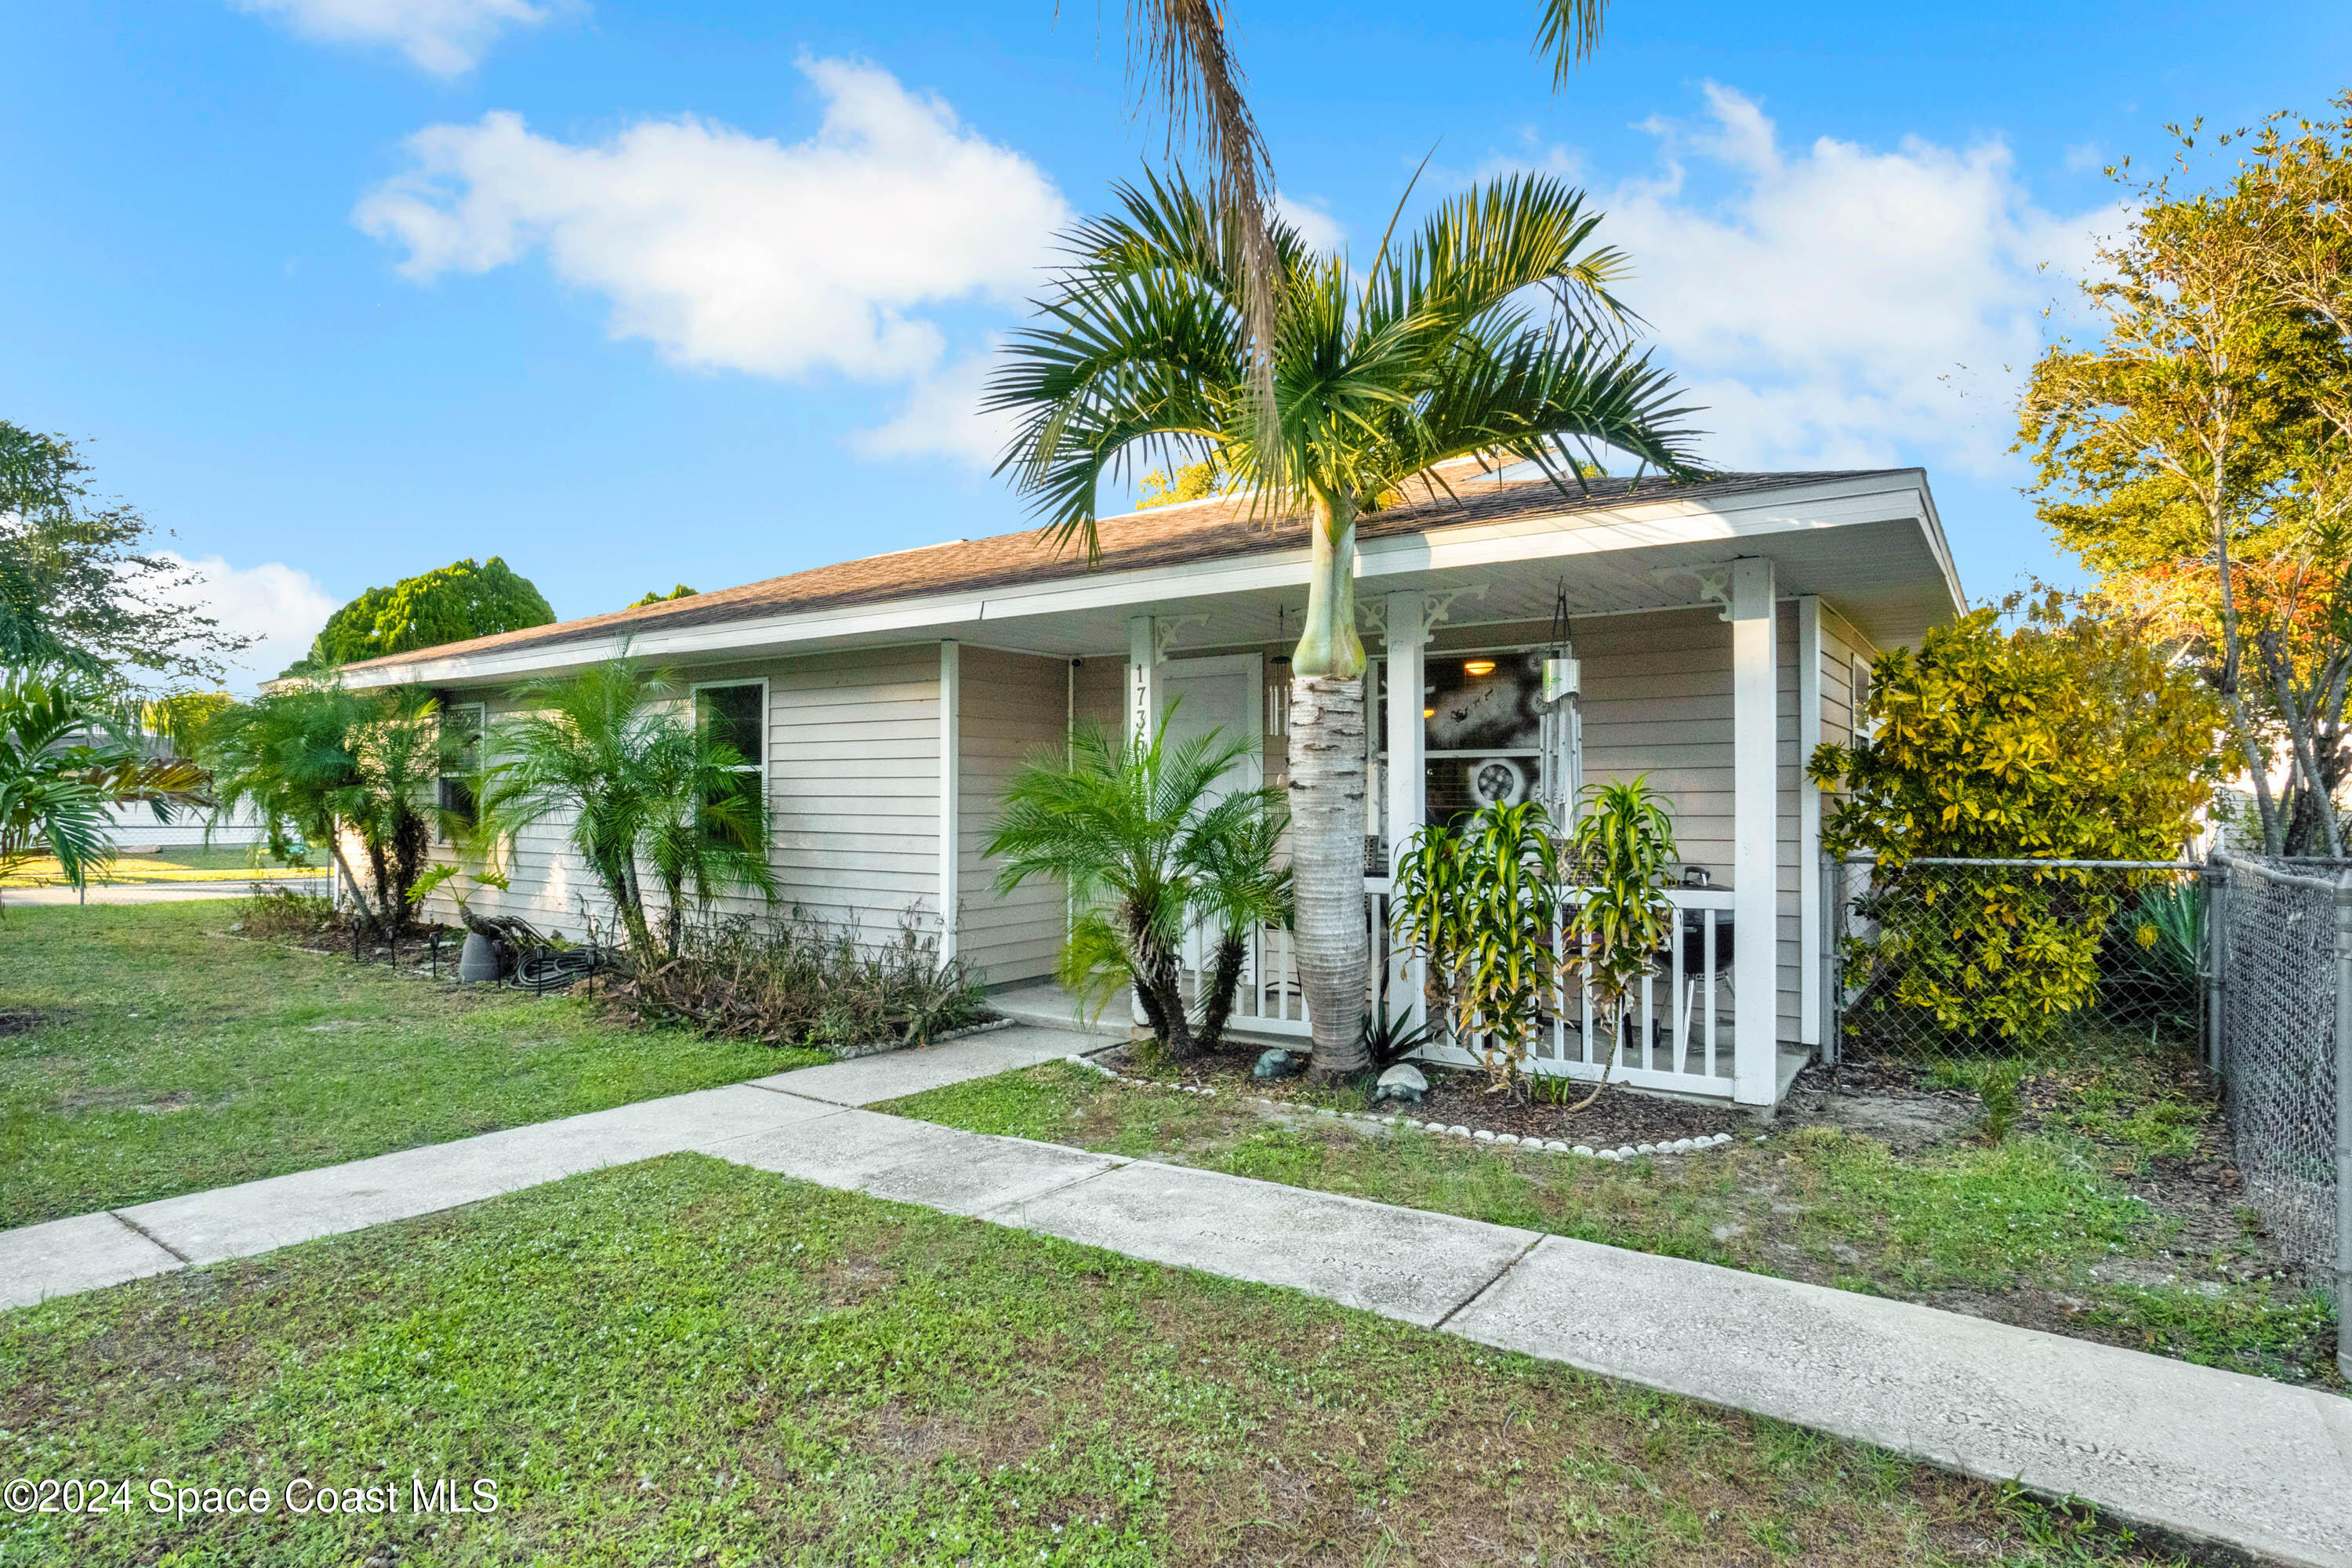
(1710, 664)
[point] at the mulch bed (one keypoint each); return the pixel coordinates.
(1460, 1097)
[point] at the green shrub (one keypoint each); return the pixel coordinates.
(804, 982)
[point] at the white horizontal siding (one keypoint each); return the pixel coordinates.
(1014, 711)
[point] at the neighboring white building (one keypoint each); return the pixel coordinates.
(1721, 626)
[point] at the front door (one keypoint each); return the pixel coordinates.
(1221, 694)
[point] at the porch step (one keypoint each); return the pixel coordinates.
(1049, 1006)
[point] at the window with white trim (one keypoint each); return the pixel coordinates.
(462, 728)
(735, 714)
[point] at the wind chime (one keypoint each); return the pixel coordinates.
(1561, 778)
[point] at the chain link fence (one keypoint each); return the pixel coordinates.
(1955, 964)
(2279, 973)
(1965, 971)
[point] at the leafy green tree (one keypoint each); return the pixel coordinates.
(655, 596)
(1193, 482)
(1139, 837)
(1440, 349)
(181, 717)
(652, 798)
(451, 603)
(2199, 453)
(318, 761)
(79, 587)
(2059, 739)
(65, 754)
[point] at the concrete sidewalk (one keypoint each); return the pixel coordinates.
(154, 892)
(2211, 1456)
(67, 1256)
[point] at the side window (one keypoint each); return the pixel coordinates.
(736, 714)
(1864, 727)
(462, 724)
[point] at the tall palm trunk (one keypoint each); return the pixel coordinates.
(1326, 798)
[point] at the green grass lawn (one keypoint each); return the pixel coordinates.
(686, 1362)
(2034, 1230)
(145, 1052)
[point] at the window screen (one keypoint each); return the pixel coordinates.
(461, 758)
(736, 717)
(733, 714)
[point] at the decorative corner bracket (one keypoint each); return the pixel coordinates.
(1436, 607)
(1714, 584)
(1164, 630)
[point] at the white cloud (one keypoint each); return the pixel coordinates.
(1314, 223)
(447, 38)
(731, 251)
(280, 606)
(1838, 305)
(941, 417)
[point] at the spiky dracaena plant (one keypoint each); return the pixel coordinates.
(1137, 833)
(1489, 330)
(1477, 904)
(1620, 917)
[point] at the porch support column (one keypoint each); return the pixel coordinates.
(1754, 838)
(1407, 636)
(1142, 675)
(1810, 973)
(951, 791)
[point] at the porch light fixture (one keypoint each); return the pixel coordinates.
(1478, 666)
(1429, 712)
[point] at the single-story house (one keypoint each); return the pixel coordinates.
(1722, 627)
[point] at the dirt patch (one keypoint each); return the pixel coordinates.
(126, 1098)
(25, 1020)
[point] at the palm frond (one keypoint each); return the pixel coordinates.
(1567, 31)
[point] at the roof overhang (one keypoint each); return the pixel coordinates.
(1871, 545)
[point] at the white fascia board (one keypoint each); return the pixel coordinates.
(1648, 524)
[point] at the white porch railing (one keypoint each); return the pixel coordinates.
(1270, 999)
(1676, 1032)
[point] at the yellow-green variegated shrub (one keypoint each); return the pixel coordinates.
(2057, 738)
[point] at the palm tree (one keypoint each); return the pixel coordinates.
(66, 755)
(1182, 49)
(651, 795)
(1438, 351)
(1146, 847)
(318, 761)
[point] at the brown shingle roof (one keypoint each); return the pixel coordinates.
(1164, 536)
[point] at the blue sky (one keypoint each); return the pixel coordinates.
(343, 289)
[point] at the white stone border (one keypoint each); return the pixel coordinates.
(1501, 1140)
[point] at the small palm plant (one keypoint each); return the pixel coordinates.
(1477, 904)
(1136, 832)
(652, 798)
(1621, 919)
(316, 762)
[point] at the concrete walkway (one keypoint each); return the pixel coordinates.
(2206, 1455)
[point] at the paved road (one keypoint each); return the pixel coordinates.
(2215, 1455)
(152, 892)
